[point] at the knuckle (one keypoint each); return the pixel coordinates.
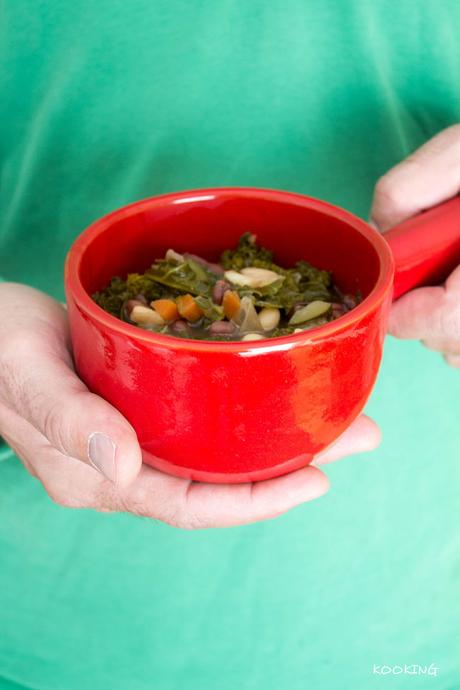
(190, 521)
(393, 190)
(52, 426)
(388, 192)
(126, 501)
(140, 503)
(74, 495)
(454, 132)
(134, 507)
(449, 321)
(175, 516)
(180, 517)
(452, 360)
(389, 195)
(433, 344)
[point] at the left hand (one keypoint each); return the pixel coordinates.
(427, 177)
(49, 417)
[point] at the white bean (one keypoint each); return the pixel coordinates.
(310, 311)
(269, 318)
(252, 277)
(131, 303)
(171, 255)
(238, 279)
(261, 277)
(145, 316)
(253, 336)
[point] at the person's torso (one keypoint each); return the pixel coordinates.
(104, 103)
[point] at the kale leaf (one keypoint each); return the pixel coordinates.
(248, 253)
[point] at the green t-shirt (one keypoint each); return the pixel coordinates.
(106, 102)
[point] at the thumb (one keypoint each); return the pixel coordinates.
(42, 388)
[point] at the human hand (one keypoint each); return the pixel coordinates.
(427, 177)
(50, 419)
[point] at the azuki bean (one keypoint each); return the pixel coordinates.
(349, 301)
(218, 291)
(222, 328)
(337, 310)
(179, 326)
(214, 268)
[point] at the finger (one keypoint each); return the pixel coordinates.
(362, 436)
(41, 387)
(428, 176)
(424, 314)
(444, 345)
(179, 502)
(196, 505)
(453, 360)
(232, 505)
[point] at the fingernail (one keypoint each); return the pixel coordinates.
(101, 453)
(373, 224)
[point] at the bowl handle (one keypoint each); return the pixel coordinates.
(426, 247)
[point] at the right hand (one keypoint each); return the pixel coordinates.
(430, 175)
(63, 434)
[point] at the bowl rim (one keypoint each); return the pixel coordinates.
(75, 255)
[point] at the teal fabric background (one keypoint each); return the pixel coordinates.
(104, 103)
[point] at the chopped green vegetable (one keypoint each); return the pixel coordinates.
(213, 312)
(248, 253)
(301, 298)
(113, 297)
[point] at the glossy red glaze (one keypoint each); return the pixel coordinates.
(231, 412)
(426, 247)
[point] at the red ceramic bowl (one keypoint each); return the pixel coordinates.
(245, 411)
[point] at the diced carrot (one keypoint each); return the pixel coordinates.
(166, 308)
(231, 304)
(188, 308)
